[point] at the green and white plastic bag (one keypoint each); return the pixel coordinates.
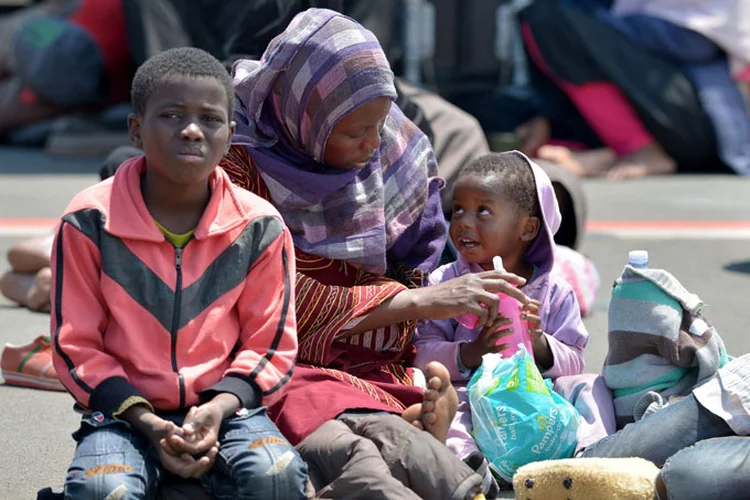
(517, 416)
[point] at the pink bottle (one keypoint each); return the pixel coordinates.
(510, 308)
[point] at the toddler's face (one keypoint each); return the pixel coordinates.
(484, 224)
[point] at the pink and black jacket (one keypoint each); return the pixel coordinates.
(135, 317)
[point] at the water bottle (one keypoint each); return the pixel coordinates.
(510, 308)
(638, 259)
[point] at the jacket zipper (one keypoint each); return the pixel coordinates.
(176, 321)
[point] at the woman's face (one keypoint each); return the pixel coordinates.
(356, 136)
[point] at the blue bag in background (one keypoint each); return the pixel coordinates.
(517, 416)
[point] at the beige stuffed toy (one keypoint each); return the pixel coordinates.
(586, 479)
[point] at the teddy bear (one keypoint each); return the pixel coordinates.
(586, 479)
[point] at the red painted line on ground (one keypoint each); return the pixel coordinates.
(27, 223)
(612, 225)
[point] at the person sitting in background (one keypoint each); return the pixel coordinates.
(649, 81)
(66, 58)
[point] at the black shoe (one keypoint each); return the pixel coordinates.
(479, 464)
(48, 494)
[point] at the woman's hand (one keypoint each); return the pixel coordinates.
(542, 351)
(468, 294)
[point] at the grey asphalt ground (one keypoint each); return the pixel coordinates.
(35, 426)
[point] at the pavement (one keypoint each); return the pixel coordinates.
(697, 227)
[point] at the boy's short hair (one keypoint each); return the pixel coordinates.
(181, 61)
(513, 177)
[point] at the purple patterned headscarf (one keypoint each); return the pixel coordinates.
(320, 69)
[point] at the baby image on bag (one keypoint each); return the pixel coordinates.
(517, 417)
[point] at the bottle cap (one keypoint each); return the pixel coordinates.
(638, 258)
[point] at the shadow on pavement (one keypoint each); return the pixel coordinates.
(739, 267)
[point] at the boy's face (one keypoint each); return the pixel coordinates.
(185, 129)
(484, 224)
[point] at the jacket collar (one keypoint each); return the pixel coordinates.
(129, 218)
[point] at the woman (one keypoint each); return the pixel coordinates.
(357, 184)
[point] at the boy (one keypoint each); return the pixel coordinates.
(173, 305)
(505, 205)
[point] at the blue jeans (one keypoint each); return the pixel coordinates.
(700, 454)
(254, 461)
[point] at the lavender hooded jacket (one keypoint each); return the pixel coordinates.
(439, 340)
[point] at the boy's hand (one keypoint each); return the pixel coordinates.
(184, 464)
(486, 341)
(178, 462)
(200, 431)
(542, 352)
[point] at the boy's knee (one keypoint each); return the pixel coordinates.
(105, 481)
(272, 475)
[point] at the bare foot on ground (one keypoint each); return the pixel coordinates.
(592, 163)
(29, 256)
(436, 412)
(38, 298)
(28, 290)
(649, 160)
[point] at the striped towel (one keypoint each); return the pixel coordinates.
(658, 340)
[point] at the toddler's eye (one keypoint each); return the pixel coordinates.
(458, 210)
(484, 211)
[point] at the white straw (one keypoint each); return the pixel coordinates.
(497, 263)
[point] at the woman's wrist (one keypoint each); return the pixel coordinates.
(409, 304)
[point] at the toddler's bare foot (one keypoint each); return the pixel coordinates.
(440, 402)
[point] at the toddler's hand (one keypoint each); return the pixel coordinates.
(486, 341)
(530, 313)
(540, 345)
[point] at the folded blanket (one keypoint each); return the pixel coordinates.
(658, 340)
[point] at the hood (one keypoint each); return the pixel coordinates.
(542, 251)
